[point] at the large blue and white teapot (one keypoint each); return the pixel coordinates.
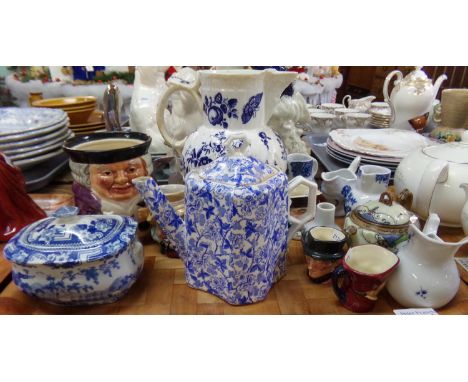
(234, 238)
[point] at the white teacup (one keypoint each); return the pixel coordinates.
(344, 110)
(323, 121)
(356, 120)
(331, 107)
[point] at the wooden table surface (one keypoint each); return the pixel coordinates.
(161, 289)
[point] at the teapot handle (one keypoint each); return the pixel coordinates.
(385, 90)
(298, 222)
(344, 100)
(435, 172)
(177, 145)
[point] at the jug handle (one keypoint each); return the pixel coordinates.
(344, 100)
(338, 274)
(385, 90)
(435, 172)
(177, 145)
(298, 222)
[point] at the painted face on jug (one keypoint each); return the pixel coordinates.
(114, 180)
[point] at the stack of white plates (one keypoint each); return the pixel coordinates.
(380, 117)
(30, 136)
(378, 147)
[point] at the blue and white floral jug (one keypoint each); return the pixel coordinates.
(234, 238)
(231, 101)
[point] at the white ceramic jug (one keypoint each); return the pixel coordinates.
(464, 213)
(231, 101)
(427, 276)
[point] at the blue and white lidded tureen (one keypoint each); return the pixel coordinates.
(68, 259)
(234, 237)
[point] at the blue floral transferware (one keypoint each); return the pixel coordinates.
(234, 237)
(76, 260)
(15, 120)
(230, 101)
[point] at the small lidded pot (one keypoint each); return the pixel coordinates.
(323, 249)
(68, 259)
(384, 223)
(103, 166)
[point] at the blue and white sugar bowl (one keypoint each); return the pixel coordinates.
(71, 259)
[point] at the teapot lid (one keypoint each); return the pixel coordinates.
(417, 76)
(235, 168)
(67, 238)
(384, 211)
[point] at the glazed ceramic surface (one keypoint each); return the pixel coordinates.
(433, 175)
(231, 101)
(76, 260)
(464, 213)
(323, 249)
(392, 143)
(334, 181)
(370, 183)
(362, 275)
(14, 120)
(302, 165)
(356, 120)
(103, 166)
(382, 222)
(411, 96)
(361, 104)
(427, 276)
(235, 234)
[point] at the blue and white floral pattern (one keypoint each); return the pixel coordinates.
(98, 282)
(382, 178)
(284, 154)
(234, 237)
(301, 169)
(70, 241)
(422, 293)
(218, 108)
(205, 153)
(348, 197)
(251, 107)
(265, 138)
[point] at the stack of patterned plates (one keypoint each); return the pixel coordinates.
(378, 147)
(380, 117)
(30, 136)
(94, 123)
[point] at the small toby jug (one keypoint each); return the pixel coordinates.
(234, 238)
(231, 101)
(427, 276)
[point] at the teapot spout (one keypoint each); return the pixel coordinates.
(275, 83)
(162, 210)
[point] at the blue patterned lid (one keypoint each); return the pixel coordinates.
(236, 168)
(384, 211)
(67, 238)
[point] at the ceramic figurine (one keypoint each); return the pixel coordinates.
(427, 276)
(68, 259)
(412, 96)
(112, 108)
(371, 181)
(231, 101)
(361, 104)
(17, 208)
(323, 249)
(334, 181)
(103, 166)
(433, 175)
(235, 234)
(288, 114)
(464, 213)
(382, 222)
(149, 85)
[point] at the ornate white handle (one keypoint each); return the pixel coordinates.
(385, 90)
(177, 145)
(344, 100)
(298, 223)
(435, 172)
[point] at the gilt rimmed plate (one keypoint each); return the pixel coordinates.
(15, 120)
(380, 143)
